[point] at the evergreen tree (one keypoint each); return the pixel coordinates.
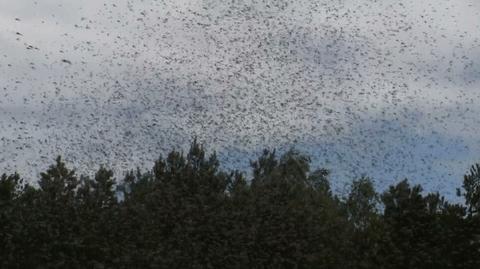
(187, 212)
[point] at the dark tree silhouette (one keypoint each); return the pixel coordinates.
(188, 212)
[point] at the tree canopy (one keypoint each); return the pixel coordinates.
(188, 212)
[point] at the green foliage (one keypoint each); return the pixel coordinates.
(9, 188)
(187, 212)
(471, 185)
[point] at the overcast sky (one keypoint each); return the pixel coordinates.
(389, 89)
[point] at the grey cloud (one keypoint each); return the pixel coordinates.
(334, 76)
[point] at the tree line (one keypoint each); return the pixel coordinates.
(188, 212)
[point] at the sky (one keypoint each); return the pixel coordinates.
(388, 89)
